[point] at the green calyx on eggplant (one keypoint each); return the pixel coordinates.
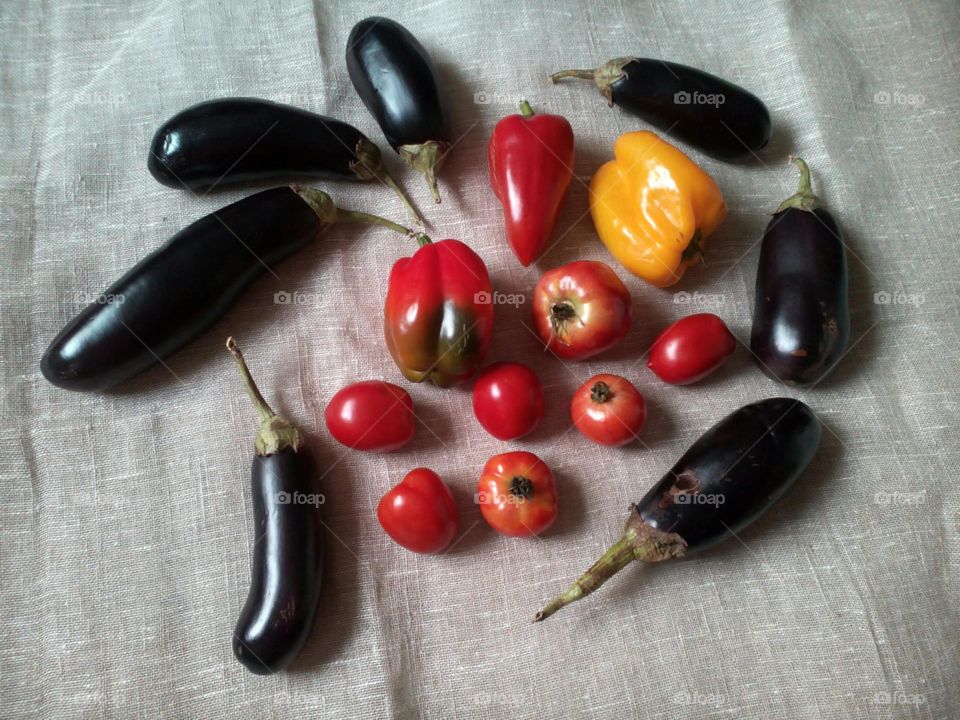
(288, 549)
(396, 80)
(232, 141)
(180, 290)
(710, 113)
(726, 480)
(801, 316)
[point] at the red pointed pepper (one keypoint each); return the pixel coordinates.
(531, 164)
(439, 312)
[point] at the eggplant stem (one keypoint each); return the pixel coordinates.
(803, 198)
(356, 216)
(262, 406)
(387, 179)
(579, 74)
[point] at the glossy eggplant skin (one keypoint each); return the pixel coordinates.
(801, 316)
(287, 571)
(397, 81)
(733, 473)
(178, 291)
(241, 140)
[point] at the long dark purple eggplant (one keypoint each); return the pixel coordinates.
(395, 78)
(725, 481)
(178, 291)
(801, 315)
(227, 142)
(288, 545)
(720, 118)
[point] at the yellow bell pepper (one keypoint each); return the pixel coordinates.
(653, 207)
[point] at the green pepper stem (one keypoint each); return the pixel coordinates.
(579, 74)
(525, 109)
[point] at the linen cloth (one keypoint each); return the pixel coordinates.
(126, 522)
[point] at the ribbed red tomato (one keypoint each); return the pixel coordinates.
(419, 513)
(516, 494)
(508, 400)
(691, 348)
(609, 410)
(371, 415)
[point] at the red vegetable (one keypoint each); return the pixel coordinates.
(531, 164)
(508, 400)
(419, 513)
(439, 312)
(517, 495)
(609, 410)
(581, 309)
(691, 348)
(371, 415)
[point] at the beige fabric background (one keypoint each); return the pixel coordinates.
(125, 519)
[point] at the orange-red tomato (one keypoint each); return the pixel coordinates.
(609, 410)
(691, 348)
(371, 415)
(508, 400)
(419, 513)
(517, 494)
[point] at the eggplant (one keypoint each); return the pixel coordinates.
(711, 114)
(178, 291)
(288, 542)
(397, 81)
(228, 142)
(726, 480)
(801, 315)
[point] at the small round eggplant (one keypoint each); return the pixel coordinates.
(222, 143)
(175, 293)
(720, 118)
(395, 78)
(801, 315)
(725, 481)
(288, 546)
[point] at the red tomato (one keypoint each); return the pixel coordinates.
(516, 494)
(609, 410)
(508, 400)
(419, 513)
(581, 309)
(371, 415)
(691, 348)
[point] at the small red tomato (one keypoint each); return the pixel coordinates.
(371, 415)
(516, 494)
(508, 400)
(609, 410)
(691, 348)
(581, 309)
(419, 513)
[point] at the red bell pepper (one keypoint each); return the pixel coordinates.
(439, 312)
(531, 164)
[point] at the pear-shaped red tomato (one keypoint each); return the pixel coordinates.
(691, 348)
(371, 415)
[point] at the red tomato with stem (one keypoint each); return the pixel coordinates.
(419, 513)
(517, 494)
(581, 309)
(371, 415)
(691, 348)
(609, 410)
(508, 400)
